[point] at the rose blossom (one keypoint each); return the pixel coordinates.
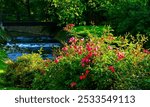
(111, 68)
(146, 51)
(120, 55)
(64, 48)
(56, 60)
(72, 39)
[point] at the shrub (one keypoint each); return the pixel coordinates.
(66, 11)
(3, 57)
(85, 31)
(22, 72)
(107, 62)
(129, 16)
(101, 61)
(81, 31)
(3, 35)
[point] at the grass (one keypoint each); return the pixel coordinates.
(85, 30)
(80, 31)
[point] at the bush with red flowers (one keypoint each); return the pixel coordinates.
(91, 62)
(105, 62)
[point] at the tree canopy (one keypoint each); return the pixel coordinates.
(123, 15)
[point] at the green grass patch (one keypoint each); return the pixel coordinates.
(89, 29)
(79, 31)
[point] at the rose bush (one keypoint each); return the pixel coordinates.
(105, 62)
(90, 63)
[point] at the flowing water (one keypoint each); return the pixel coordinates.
(27, 44)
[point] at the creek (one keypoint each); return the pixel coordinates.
(19, 45)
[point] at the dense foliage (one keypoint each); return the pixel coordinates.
(79, 31)
(22, 72)
(92, 57)
(99, 63)
(3, 56)
(106, 62)
(3, 35)
(123, 15)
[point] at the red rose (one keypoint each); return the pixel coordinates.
(90, 54)
(146, 51)
(72, 39)
(82, 77)
(64, 48)
(111, 68)
(120, 55)
(56, 60)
